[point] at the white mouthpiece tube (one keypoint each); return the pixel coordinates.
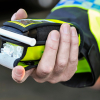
(18, 37)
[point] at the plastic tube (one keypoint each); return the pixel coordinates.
(18, 37)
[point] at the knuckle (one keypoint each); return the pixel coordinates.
(60, 67)
(58, 70)
(46, 71)
(73, 61)
(62, 63)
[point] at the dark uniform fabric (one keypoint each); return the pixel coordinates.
(90, 49)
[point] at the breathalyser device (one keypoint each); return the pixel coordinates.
(23, 41)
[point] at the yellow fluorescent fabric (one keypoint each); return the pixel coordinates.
(83, 66)
(94, 23)
(18, 23)
(33, 53)
(22, 64)
(59, 7)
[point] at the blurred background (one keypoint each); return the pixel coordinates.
(31, 90)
